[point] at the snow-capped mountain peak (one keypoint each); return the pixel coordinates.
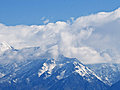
(4, 46)
(49, 73)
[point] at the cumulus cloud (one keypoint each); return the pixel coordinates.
(80, 39)
(97, 19)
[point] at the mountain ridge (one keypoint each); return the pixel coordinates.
(41, 73)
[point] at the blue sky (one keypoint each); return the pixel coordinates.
(28, 12)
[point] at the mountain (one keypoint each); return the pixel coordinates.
(31, 69)
(115, 86)
(108, 72)
(4, 46)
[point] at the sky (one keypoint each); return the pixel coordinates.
(84, 29)
(29, 12)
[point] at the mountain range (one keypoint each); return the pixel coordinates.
(32, 69)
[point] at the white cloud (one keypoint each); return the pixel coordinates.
(46, 21)
(42, 18)
(81, 39)
(97, 19)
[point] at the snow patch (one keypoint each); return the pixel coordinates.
(1, 75)
(4, 46)
(48, 68)
(61, 76)
(80, 69)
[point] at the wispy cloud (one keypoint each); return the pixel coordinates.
(46, 21)
(42, 18)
